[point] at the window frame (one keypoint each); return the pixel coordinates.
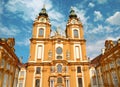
(79, 69)
(59, 80)
(38, 70)
(75, 33)
(59, 68)
(37, 84)
(41, 32)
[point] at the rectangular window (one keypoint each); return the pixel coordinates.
(5, 80)
(80, 82)
(37, 83)
(77, 51)
(22, 73)
(2, 63)
(67, 83)
(20, 83)
(9, 82)
(78, 69)
(8, 66)
(39, 52)
(41, 32)
(51, 83)
(115, 79)
(75, 33)
(94, 80)
(38, 70)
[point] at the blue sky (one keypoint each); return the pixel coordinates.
(100, 18)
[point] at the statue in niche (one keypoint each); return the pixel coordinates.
(52, 69)
(50, 54)
(67, 54)
(57, 31)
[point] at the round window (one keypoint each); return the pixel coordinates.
(59, 50)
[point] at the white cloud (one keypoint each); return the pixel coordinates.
(98, 16)
(115, 19)
(81, 14)
(55, 15)
(101, 1)
(101, 29)
(91, 4)
(113, 38)
(94, 49)
(11, 31)
(27, 9)
(24, 42)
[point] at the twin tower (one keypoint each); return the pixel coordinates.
(56, 61)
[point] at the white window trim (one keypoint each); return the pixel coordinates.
(34, 75)
(80, 77)
(79, 50)
(36, 53)
(58, 45)
(73, 32)
(24, 80)
(57, 65)
(50, 82)
(39, 51)
(38, 31)
(67, 78)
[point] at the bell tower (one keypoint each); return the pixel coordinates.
(74, 28)
(42, 26)
(41, 32)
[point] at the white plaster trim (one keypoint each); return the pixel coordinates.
(82, 76)
(36, 53)
(38, 31)
(34, 77)
(80, 53)
(24, 78)
(73, 32)
(58, 45)
(67, 78)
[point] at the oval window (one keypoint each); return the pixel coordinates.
(59, 50)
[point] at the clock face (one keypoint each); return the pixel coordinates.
(73, 21)
(42, 20)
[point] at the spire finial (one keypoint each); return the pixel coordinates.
(43, 5)
(71, 8)
(72, 13)
(43, 11)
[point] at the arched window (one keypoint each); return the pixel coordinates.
(59, 68)
(41, 32)
(75, 33)
(59, 80)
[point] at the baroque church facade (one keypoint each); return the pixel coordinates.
(56, 61)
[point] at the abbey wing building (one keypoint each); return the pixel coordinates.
(56, 61)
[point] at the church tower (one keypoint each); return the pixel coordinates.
(57, 61)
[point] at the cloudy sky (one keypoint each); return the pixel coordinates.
(100, 18)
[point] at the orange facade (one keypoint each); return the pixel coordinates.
(56, 60)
